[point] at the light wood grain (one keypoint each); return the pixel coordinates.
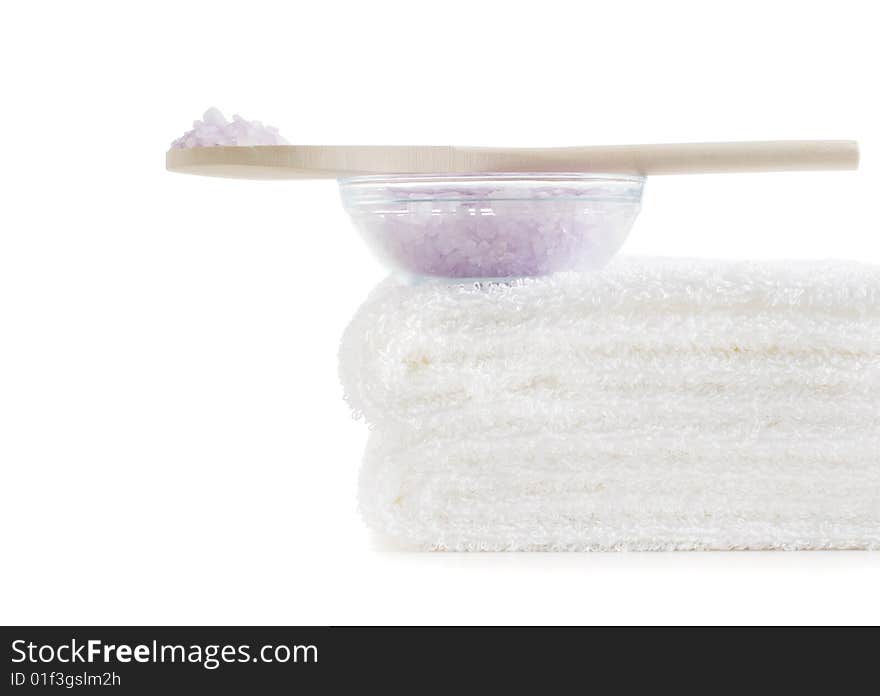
(334, 161)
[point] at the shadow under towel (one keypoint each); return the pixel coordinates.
(658, 404)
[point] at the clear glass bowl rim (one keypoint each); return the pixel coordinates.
(489, 176)
(376, 188)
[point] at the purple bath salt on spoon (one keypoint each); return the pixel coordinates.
(214, 130)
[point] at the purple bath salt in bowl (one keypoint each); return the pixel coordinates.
(493, 226)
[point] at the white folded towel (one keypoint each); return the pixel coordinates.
(659, 404)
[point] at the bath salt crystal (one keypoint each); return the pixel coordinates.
(215, 130)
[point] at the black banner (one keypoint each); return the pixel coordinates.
(170, 660)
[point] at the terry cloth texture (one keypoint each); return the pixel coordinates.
(658, 404)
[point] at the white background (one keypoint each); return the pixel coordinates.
(174, 447)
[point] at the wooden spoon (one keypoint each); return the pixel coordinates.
(339, 161)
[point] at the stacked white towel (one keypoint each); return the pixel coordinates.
(659, 404)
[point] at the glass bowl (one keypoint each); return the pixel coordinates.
(493, 225)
